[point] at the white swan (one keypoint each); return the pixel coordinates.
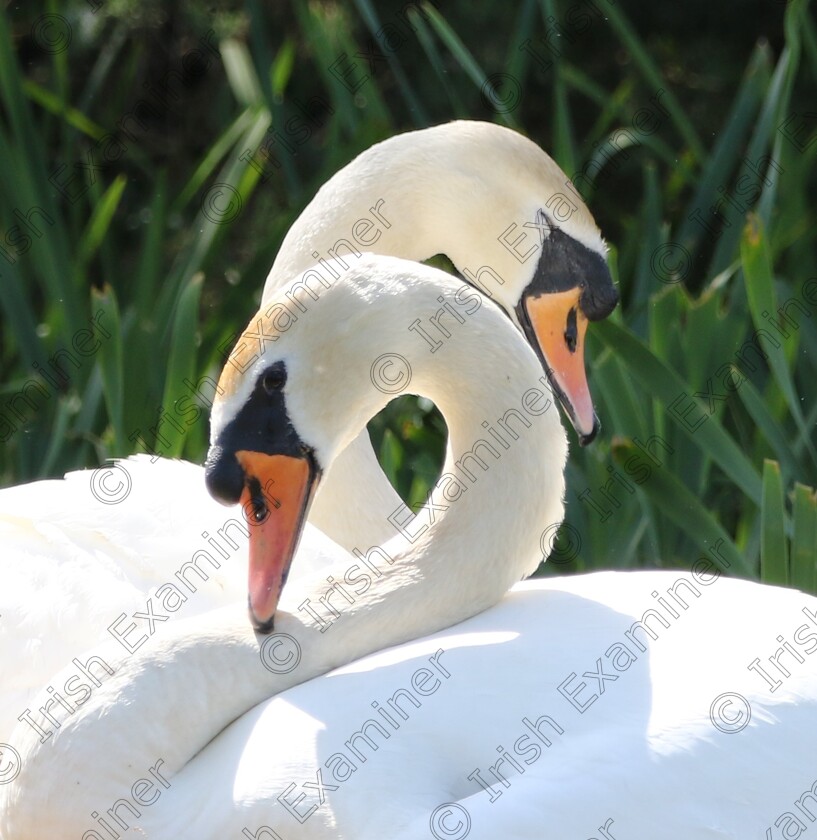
(461, 563)
(515, 228)
(550, 715)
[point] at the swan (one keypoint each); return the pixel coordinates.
(606, 705)
(515, 228)
(312, 392)
(452, 188)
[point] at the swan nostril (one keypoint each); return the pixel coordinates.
(572, 332)
(258, 510)
(223, 476)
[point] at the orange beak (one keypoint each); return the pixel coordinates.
(276, 496)
(555, 323)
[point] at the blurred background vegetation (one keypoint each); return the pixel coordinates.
(119, 117)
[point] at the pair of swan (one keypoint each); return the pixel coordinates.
(539, 717)
(474, 191)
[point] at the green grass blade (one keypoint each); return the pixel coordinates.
(391, 456)
(609, 104)
(100, 221)
(240, 73)
(462, 54)
(228, 138)
(430, 48)
(261, 51)
(564, 143)
(73, 117)
(809, 34)
(281, 69)
(329, 43)
(725, 154)
(180, 366)
(804, 542)
(105, 60)
(793, 24)
(110, 357)
(623, 411)
(149, 269)
(518, 60)
(772, 430)
(236, 176)
(774, 562)
(757, 271)
(415, 104)
(564, 146)
(754, 171)
(56, 439)
(20, 318)
(644, 281)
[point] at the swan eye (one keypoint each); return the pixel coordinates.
(571, 332)
(273, 381)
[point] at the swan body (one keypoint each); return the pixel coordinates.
(681, 737)
(643, 752)
(173, 695)
(684, 742)
(679, 740)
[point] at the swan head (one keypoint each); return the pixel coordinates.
(259, 460)
(570, 287)
(532, 245)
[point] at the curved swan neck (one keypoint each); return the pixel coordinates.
(504, 428)
(478, 534)
(504, 433)
(470, 190)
